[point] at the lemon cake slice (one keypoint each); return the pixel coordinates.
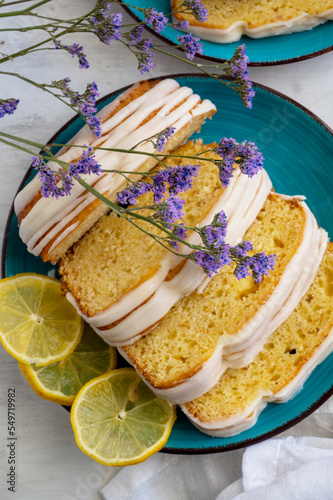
(49, 226)
(186, 354)
(115, 268)
(279, 371)
(228, 20)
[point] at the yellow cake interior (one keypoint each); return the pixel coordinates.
(189, 333)
(284, 354)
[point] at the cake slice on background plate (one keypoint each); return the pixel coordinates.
(49, 226)
(229, 321)
(116, 271)
(279, 370)
(229, 20)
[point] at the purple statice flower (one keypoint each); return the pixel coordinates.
(87, 164)
(50, 179)
(242, 249)
(236, 67)
(107, 26)
(169, 210)
(179, 179)
(197, 10)
(161, 138)
(145, 45)
(190, 44)
(261, 264)
(212, 261)
(145, 59)
(213, 235)
(246, 155)
(75, 50)
(179, 231)
(242, 271)
(181, 25)
(84, 103)
(130, 195)
(8, 106)
(155, 19)
(135, 35)
(251, 160)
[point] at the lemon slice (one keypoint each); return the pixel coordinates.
(61, 381)
(117, 420)
(37, 324)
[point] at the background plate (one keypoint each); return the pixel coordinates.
(298, 151)
(262, 51)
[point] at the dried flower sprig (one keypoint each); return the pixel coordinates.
(108, 26)
(166, 212)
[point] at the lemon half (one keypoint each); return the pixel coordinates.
(61, 381)
(117, 420)
(37, 324)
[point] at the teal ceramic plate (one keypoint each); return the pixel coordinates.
(298, 150)
(262, 51)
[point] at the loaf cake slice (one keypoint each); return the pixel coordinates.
(279, 371)
(49, 226)
(228, 20)
(194, 344)
(115, 267)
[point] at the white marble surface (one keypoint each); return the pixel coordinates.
(49, 465)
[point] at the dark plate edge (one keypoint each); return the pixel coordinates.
(219, 60)
(246, 442)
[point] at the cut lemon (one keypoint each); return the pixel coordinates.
(117, 420)
(61, 381)
(37, 324)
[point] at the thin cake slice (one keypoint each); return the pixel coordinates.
(279, 371)
(228, 20)
(197, 340)
(115, 268)
(50, 226)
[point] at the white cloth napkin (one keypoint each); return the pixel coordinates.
(288, 468)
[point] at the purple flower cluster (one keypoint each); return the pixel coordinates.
(195, 8)
(258, 265)
(60, 183)
(190, 44)
(162, 138)
(135, 35)
(155, 19)
(181, 25)
(236, 67)
(245, 155)
(8, 106)
(169, 211)
(87, 164)
(107, 26)
(214, 234)
(181, 232)
(75, 50)
(145, 58)
(212, 260)
(50, 179)
(129, 196)
(84, 103)
(178, 179)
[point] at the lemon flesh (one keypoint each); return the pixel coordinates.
(37, 324)
(117, 420)
(61, 381)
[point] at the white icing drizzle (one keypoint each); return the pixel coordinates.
(294, 283)
(121, 131)
(241, 200)
(242, 421)
(234, 32)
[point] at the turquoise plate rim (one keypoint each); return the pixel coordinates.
(274, 62)
(245, 441)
